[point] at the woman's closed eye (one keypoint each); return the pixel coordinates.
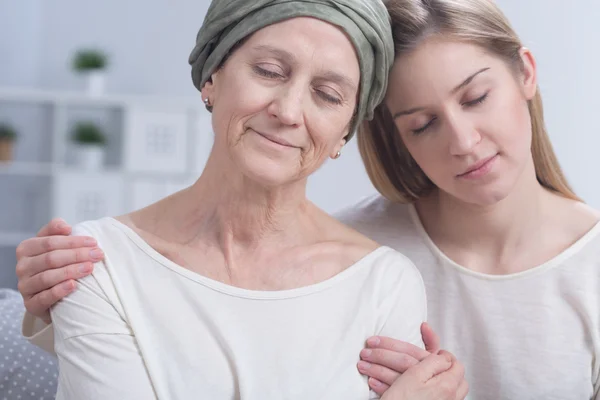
(328, 96)
(424, 127)
(471, 103)
(270, 71)
(477, 101)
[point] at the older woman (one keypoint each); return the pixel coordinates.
(238, 286)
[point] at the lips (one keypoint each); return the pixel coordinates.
(478, 165)
(275, 139)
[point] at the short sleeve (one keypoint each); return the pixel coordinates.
(97, 351)
(406, 304)
(403, 306)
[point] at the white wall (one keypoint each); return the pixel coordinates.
(565, 38)
(150, 40)
(20, 32)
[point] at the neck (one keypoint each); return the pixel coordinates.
(487, 235)
(227, 209)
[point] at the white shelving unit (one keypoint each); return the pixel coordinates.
(156, 146)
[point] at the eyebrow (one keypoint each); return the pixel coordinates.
(456, 89)
(288, 57)
(284, 55)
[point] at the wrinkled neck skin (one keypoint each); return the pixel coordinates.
(227, 210)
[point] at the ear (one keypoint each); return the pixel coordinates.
(529, 73)
(337, 148)
(208, 90)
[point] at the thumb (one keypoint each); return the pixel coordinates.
(430, 338)
(453, 376)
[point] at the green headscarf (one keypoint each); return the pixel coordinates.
(366, 22)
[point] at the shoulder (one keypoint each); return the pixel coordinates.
(573, 222)
(395, 273)
(374, 211)
(386, 222)
(573, 229)
(108, 231)
(126, 255)
(95, 227)
(374, 204)
(581, 215)
(97, 291)
(387, 269)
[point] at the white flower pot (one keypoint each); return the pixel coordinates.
(96, 82)
(89, 156)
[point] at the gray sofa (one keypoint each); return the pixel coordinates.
(26, 372)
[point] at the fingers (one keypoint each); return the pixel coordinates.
(430, 338)
(40, 245)
(398, 346)
(431, 366)
(450, 382)
(385, 359)
(45, 280)
(57, 226)
(30, 266)
(382, 374)
(377, 386)
(398, 362)
(39, 304)
(456, 371)
(48, 264)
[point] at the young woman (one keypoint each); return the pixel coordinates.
(474, 196)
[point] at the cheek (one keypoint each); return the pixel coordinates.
(239, 95)
(320, 146)
(428, 154)
(326, 128)
(237, 100)
(514, 136)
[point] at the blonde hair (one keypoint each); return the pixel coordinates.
(391, 168)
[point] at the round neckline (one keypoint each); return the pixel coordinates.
(236, 291)
(551, 263)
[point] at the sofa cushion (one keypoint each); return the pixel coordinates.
(26, 372)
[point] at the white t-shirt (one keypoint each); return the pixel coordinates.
(529, 335)
(143, 327)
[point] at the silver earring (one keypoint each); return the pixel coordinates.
(207, 104)
(337, 155)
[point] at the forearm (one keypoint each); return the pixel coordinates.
(38, 333)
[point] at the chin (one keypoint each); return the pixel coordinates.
(485, 195)
(486, 199)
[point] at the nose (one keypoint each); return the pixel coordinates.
(463, 135)
(287, 105)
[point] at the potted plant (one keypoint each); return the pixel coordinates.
(92, 63)
(89, 142)
(8, 135)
